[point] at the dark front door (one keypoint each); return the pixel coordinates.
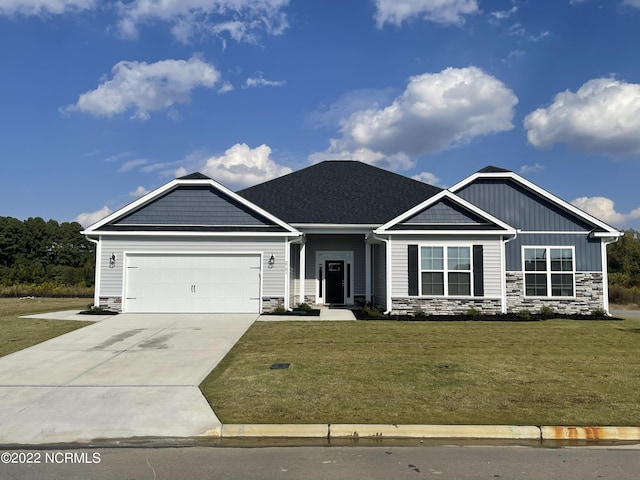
(335, 281)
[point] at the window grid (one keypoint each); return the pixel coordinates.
(452, 263)
(546, 262)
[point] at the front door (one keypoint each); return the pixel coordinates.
(335, 281)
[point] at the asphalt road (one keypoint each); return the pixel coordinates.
(327, 463)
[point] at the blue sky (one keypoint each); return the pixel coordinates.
(103, 101)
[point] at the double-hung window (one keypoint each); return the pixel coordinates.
(445, 271)
(549, 272)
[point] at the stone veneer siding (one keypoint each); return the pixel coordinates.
(115, 303)
(271, 303)
(589, 296)
(111, 303)
(444, 306)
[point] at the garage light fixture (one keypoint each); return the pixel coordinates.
(272, 261)
(112, 260)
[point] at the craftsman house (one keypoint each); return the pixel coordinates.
(344, 232)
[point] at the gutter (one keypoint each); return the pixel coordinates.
(503, 273)
(98, 272)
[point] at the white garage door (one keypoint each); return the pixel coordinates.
(192, 283)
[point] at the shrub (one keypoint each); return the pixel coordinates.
(524, 315)
(305, 307)
(371, 311)
(279, 309)
(547, 311)
(473, 312)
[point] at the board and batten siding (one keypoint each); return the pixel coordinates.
(588, 251)
(491, 255)
(519, 207)
(273, 279)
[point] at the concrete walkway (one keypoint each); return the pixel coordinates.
(326, 314)
(128, 375)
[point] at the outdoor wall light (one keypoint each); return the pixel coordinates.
(112, 260)
(272, 261)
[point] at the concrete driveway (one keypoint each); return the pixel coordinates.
(131, 375)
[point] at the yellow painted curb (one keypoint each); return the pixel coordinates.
(275, 430)
(590, 433)
(435, 431)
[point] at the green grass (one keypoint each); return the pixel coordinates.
(557, 372)
(20, 333)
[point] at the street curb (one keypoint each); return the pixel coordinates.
(590, 433)
(496, 432)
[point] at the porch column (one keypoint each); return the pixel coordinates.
(367, 271)
(302, 265)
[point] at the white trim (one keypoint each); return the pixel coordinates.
(503, 272)
(287, 273)
(548, 272)
(435, 199)
(175, 184)
(556, 232)
(98, 272)
(177, 233)
(433, 233)
(611, 232)
(367, 272)
(605, 273)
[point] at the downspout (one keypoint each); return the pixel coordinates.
(605, 273)
(387, 259)
(98, 272)
(503, 273)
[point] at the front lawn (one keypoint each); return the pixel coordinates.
(20, 333)
(555, 372)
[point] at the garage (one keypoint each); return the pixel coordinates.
(192, 283)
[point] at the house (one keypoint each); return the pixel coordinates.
(344, 232)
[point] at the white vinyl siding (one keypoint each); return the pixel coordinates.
(491, 261)
(273, 281)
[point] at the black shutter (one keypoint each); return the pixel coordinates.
(478, 271)
(412, 269)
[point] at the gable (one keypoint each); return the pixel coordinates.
(444, 212)
(520, 207)
(193, 205)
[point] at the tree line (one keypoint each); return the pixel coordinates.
(624, 269)
(45, 258)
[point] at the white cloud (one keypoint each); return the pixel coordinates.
(86, 219)
(604, 209)
(44, 7)
(426, 177)
(435, 112)
(438, 11)
(502, 14)
(602, 117)
(241, 166)
(225, 88)
(259, 81)
(139, 192)
(531, 168)
(132, 164)
(330, 115)
(146, 87)
(632, 3)
(240, 20)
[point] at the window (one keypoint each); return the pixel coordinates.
(548, 272)
(445, 271)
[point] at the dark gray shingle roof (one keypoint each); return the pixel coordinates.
(339, 192)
